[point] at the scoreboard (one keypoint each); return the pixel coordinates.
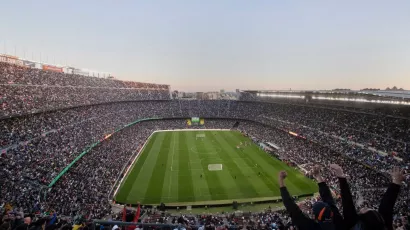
(195, 120)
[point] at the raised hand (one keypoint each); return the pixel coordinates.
(397, 175)
(316, 173)
(282, 175)
(337, 170)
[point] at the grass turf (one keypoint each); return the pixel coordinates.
(170, 166)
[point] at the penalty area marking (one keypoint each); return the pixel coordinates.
(173, 170)
(195, 165)
(241, 165)
(215, 167)
(216, 151)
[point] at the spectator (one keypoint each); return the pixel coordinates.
(367, 218)
(49, 118)
(323, 214)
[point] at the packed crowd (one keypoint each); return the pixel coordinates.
(372, 128)
(372, 108)
(373, 157)
(367, 184)
(34, 148)
(266, 219)
(26, 90)
(12, 74)
(85, 188)
(28, 169)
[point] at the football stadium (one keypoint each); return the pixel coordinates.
(211, 115)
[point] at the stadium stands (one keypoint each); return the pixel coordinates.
(26, 90)
(49, 118)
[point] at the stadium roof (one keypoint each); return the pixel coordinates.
(387, 93)
(402, 94)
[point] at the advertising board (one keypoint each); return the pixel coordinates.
(52, 68)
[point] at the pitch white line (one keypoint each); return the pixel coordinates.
(172, 163)
(131, 165)
(173, 150)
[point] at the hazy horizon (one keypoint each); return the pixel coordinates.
(213, 45)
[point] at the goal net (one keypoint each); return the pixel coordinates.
(215, 167)
(200, 136)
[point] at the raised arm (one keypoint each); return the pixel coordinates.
(327, 197)
(390, 197)
(324, 190)
(298, 217)
(349, 210)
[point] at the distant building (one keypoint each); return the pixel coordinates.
(180, 94)
(212, 95)
(199, 95)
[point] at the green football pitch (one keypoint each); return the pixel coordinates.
(176, 168)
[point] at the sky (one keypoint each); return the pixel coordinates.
(210, 45)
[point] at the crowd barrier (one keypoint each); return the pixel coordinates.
(108, 225)
(217, 203)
